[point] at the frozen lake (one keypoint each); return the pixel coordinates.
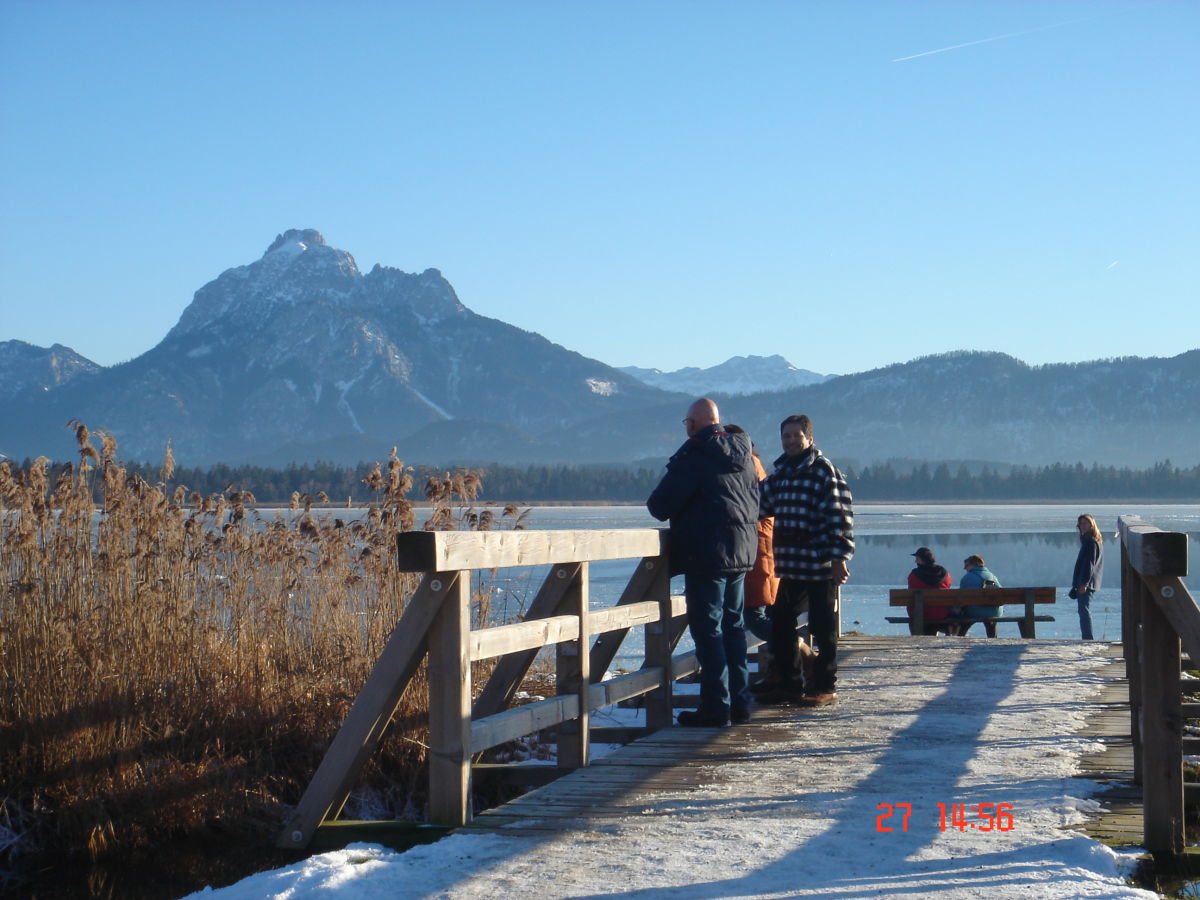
(1024, 545)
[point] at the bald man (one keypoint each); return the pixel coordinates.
(710, 495)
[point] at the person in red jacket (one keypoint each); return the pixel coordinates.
(928, 575)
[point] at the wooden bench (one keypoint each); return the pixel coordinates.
(1028, 598)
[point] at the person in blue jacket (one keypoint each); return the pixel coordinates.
(710, 495)
(977, 575)
(1089, 571)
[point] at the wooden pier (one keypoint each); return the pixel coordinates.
(940, 744)
(665, 767)
(804, 802)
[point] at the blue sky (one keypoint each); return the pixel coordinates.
(650, 183)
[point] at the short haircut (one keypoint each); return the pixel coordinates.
(804, 422)
(974, 560)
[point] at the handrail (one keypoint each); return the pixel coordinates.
(1158, 616)
(436, 626)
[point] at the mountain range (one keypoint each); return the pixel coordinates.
(299, 356)
(738, 375)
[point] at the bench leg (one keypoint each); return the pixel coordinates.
(990, 628)
(1027, 630)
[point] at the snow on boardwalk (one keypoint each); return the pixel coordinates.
(789, 806)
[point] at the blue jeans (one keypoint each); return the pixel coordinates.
(1084, 602)
(714, 611)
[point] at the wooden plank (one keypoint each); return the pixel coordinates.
(373, 708)
(622, 617)
(970, 596)
(443, 551)
(513, 723)
(1153, 551)
(617, 734)
(510, 671)
(526, 775)
(684, 664)
(450, 708)
(534, 634)
(650, 580)
(1162, 728)
(623, 687)
(1177, 604)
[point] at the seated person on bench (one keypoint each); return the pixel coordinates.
(977, 575)
(928, 575)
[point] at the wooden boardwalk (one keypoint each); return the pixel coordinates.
(949, 739)
(638, 778)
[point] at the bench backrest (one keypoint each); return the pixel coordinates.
(972, 596)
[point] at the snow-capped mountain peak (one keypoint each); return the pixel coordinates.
(296, 240)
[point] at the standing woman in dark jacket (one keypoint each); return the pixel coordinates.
(1089, 570)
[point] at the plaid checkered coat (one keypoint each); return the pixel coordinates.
(814, 517)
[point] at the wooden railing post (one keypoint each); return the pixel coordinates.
(1131, 641)
(1153, 563)
(1162, 733)
(437, 624)
(573, 677)
(450, 706)
(659, 703)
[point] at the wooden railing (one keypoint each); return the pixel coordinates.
(1158, 616)
(436, 625)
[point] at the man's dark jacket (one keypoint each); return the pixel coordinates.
(710, 494)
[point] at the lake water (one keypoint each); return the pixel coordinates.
(1024, 545)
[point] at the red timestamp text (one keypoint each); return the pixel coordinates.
(960, 816)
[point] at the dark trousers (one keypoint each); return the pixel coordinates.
(1084, 604)
(817, 599)
(714, 611)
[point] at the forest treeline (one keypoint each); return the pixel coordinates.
(616, 484)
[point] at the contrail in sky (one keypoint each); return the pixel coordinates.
(1111, 264)
(1001, 37)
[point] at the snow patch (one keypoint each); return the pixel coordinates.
(441, 412)
(289, 249)
(601, 387)
(202, 350)
(978, 738)
(343, 404)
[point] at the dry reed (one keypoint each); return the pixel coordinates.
(176, 663)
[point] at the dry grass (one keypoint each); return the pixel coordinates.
(175, 663)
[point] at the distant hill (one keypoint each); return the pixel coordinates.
(974, 405)
(24, 367)
(298, 356)
(737, 375)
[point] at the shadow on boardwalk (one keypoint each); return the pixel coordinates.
(791, 803)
